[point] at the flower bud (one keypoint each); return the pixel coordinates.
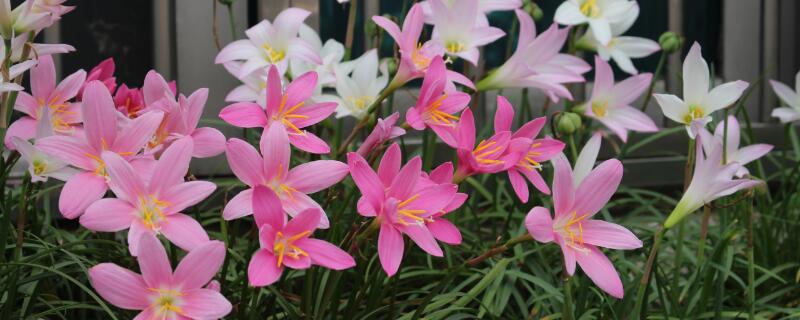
(670, 42)
(392, 64)
(568, 122)
(370, 28)
(533, 10)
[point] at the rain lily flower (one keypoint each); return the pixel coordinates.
(129, 101)
(435, 106)
(537, 62)
(331, 54)
(289, 244)
(288, 108)
(271, 44)
(458, 29)
(47, 97)
(573, 228)
(358, 84)
(712, 179)
(19, 42)
(288, 188)
(441, 228)
(484, 6)
(790, 97)
(385, 130)
(252, 87)
(698, 102)
(154, 205)
(498, 153)
(161, 293)
(610, 103)
(415, 57)
(392, 196)
(101, 132)
(733, 153)
(7, 85)
(600, 14)
(22, 19)
(42, 165)
(530, 163)
(104, 72)
(180, 118)
(622, 48)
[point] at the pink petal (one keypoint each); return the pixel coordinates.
(23, 128)
(123, 180)
(466, 130)
(171, 166)
(305, 221)
(504, 115)
(326, 254)
(390, 164)
(315, 113)
(274, 91)
(244, 115)
(263, 269)
(519, 185)
(299, 263)
(309, 142)
(43, 77)
(239, 206)
(108, 215)
(609, 235)
(80, 191)
(531, 128)
(184, 231)
(186, 194)
(99, 116)
(445, 231)
(314, 176)
(597, 266)
(598, 187)
(267, 208)
(134, 136)
(406, 179)
(119, 286)
(135, 233)
(276, 150)
(245, 162)
(204, 304)
(569, 256)
(390, 248)
(540, 224)
(364, 208)
(153, 262)
(562, 185)
(200, 265)
(423, 238)
(628, 90)
(208, 142)
(69, 86)
(603, 79)
(69, 149)
(367, 180)
(536, 179)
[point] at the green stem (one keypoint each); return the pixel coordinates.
(573, 149)
(651, 259)
(232, 21)
(659, 68)
(498, 250)
(351, 26)
(566, 313)
(363, 123)
(701, 243)
(751, 290)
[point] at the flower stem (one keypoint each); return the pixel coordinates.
(701, 243)
(572, 148)
(364, 121)
(23, 214)
(351, 26)
(566, 313)
(751, 290)
(498, 250)
(651, 259)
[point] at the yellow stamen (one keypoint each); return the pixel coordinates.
(695, 112)
(590, 8)
(600, 109)
(166, 302)
(282, 243)
(39, 167)
(575, 219)
(273, 56)
(454, 47)
(420, 61)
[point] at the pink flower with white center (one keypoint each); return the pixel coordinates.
(271, 44)
(385, 130)
(460, 28)
(161, 293)
(712, 179)
(435, 106)
(45, 96)
(151, 205)
(610, 103)
(733, 153)
(103, 72)
(441, 228)
(573, 228)
(399, 203)
(289, 244)
(599, 14)
(289, 108)
(287, 188)
(498, 153)
(530, 163)
(101, 132)
(415, 57)
(537, 63)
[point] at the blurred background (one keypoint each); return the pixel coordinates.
(752, 40)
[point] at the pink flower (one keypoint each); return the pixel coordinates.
(151, 205)
(101, 132)
(733, 153)
(530, 163)
(400, 203)
(537, 62)
(129, 101)
(289, 244)
(161, 293)
(610, 103)
(573, 228)
(289, 107)
(287, 188)
(435, 107)
(47, 97)
(104, 72)
(384, 130)
(271, 44)
(180, 118)
(499, 153)
(415, 57)
(441, 228)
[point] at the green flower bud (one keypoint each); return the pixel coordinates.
(568, 123)
(533, 10)
(392, 64)
(670, 42)
(370, 28)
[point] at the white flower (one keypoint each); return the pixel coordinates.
(41, 165)
(600, 14)
(459, 29)
(622, 48)
(698, 102)
(39, 49)
(790, 98)
(733, 153)
(271, 43)
(6, 85)
(484, 7)
(331, 52)
(358, 84)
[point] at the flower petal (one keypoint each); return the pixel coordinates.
(390, 249)
(153, 262)
(99, 116)
(326, 254)
(244, 115)
(172, 166)
(208, 142)
(204, 304)
(311, 177)
(445, 231)
(609, 235)
(184, 231)
(119, 286)
(108, 215)
(423, 238)
(263, 269)
(367, 180)
(267, 208)
(239, 206)
(540, 224)
(200, 265)
(597, 266)
(186, 194)
(245, 162)
(80, 191)
(695, 76)
(597, 188)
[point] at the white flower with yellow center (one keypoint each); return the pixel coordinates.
(358, 83)
(460, 28)
(599, 14)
